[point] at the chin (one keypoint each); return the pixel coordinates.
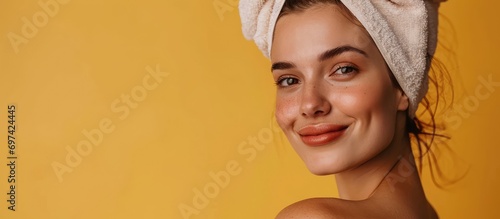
(320, 171)
(323, 167)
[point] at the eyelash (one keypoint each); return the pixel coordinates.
(350, 67)
(283, 78)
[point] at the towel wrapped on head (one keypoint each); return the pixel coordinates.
(405, 32)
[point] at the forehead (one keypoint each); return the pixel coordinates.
(310, 32)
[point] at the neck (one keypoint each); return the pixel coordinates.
(360, 182)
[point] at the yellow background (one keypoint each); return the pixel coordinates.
(218, 95)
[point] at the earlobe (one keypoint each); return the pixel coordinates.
(403, 101)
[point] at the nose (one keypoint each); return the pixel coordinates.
(314, 101)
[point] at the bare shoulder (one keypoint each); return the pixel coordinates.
(317, 208)
(309, 208)
(332, 208)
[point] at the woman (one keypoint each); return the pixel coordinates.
(350, 75)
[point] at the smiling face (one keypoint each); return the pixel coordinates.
(335, 102)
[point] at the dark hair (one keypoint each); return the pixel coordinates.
(424, 129)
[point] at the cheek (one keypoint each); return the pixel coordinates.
(287, 109)
(365, 99)
(350, 101)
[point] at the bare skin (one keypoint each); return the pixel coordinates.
(349, 88)
(398, 196)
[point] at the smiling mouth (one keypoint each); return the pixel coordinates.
(319, 135)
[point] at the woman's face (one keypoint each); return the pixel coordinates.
(335, 102)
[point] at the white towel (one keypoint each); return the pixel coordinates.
(405, 32)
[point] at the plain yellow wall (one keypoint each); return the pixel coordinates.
(179, 109)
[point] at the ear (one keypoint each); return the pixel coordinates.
(402, 100)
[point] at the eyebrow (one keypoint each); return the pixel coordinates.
(282, 66)
(322, 57)
(339, 50)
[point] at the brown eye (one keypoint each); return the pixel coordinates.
(285, 82)
(345, 70)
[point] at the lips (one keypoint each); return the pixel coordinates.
(321, 134)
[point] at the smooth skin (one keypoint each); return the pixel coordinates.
(329, 71)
